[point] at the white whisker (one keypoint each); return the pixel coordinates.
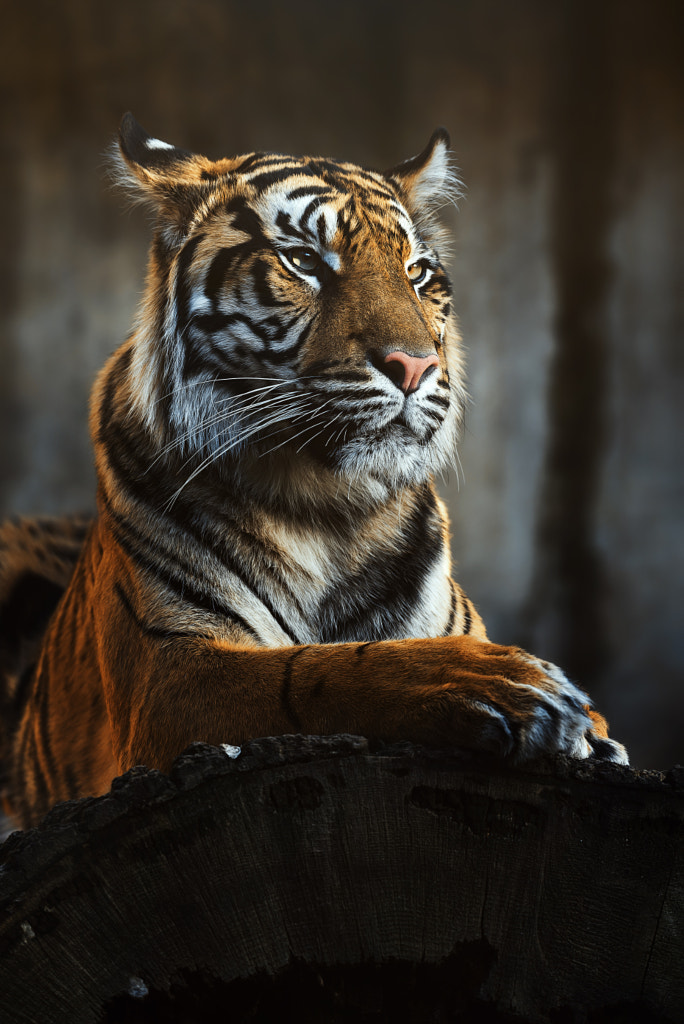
(234, 443)
(326, 426)
(229, 380)
(223, 416)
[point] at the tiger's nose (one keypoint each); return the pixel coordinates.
(411, 371)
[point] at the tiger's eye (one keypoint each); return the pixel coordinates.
(416, 272)
(306, 260)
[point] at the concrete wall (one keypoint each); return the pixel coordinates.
(566, 121)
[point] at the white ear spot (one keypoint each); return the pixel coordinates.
(157, 144)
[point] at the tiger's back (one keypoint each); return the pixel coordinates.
(270, 554)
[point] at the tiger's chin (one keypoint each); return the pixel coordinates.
(397, 458)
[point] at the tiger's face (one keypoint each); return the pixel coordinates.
(297, 307)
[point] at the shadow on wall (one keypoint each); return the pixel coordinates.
(566, 123)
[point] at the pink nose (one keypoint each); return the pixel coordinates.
(415, 368)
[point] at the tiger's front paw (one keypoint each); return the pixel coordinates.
(523, 707)
(582, 732)
(603, 748)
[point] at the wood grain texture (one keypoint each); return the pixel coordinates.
(316, 875)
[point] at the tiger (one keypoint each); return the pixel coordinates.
(269, 555)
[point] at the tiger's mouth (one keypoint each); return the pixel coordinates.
(398, 430)
(330, 447)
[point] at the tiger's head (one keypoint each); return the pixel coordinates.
(296, 310)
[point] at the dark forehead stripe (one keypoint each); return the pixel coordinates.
(311, 208)
(309, 190)
(255, 160)
(279, 174)
(348, 221)
(348, 177)
(344, 178)
(245, 218)
(284, 222)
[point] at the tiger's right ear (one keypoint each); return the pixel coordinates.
(172, 180)
(426, 183)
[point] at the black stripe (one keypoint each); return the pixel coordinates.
(317, 688)
(385, 590)
(155, 631)
(20, 759)
(440, 400)
(289, 353)
(42, 722)
(311, 208)
(367, 393)
(262, 287)
(348, 180)
(132, 467)
(39, 800)
(452, 612)
(355, 377)
(153, 490)
(181, 587)
(362, 648)
(257, 160)
(308, 190)
(137, 546)
(212, 323)
(66, 528)
(215, 323)
(344, 225)
(467, 621)
(223, 263)
(246, 219)
(436, 419)
(284, 222)
(268, 178)
(286, 688)
(440, 279)
(199, 363)
(185, 258)
(115, 379)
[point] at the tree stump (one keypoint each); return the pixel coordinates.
(318, 879)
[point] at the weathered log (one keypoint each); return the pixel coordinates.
(318, 879)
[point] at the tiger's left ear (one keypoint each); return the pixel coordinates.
(427, 182)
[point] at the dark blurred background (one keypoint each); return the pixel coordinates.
(567, 122)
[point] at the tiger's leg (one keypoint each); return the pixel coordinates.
(452, 690)
(135, 697)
